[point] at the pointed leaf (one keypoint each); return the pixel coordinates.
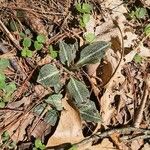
(51, 117)
(67, 52)
(92, 53)
(78, 91)
(58, 87)
(55, 100)
(39, 108)
(89, 112)
(48, 75)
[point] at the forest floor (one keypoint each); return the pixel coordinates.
(75, 74)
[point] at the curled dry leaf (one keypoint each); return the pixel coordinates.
(69, 129)
(18, 130)
(112, 87)
(40, 128)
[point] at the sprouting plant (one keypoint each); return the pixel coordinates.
(38, 145)
(52, 51)
(6, 88)
(50, 76)
(7, 143)
(137, 58)
(139, 13)
(25, 51)
(84, 9)
(74, 147)
(89, 37)
(38, 44)
(147, 29)
(27, 43)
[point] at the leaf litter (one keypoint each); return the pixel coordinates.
(72, 99)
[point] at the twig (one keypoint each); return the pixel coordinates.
(105, 134)
(138, 120)
(122, 53)
(15, 42)
(130, 138)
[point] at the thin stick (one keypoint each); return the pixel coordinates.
(15, 42)
(105, 134)
(138, 120)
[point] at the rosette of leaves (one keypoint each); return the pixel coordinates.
(40, 40)
(79, 93)
(27, 43)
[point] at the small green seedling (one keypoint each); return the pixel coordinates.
(6, 89)
(85, 10)
(74, 147)
(139, 13)
(40, 40)
(147, 29)
(84, 20)
(27, 33)
(39, 145)
(52, 52)
(26, 44)
(7, 143)
(137, 59)
(89, 37)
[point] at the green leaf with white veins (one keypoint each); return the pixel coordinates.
(51, 117)
(67, 52)
(78, 91)
(55, 100)
(48, 75)
(93, 53)
(89, 112)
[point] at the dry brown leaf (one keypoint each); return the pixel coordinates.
(120, 145)
(146, 146)
(104, 145)
(69, 129)
(146, 3)
(136, 144)
(20, 127)
(113, 87)
(144, 51)
(39, 130)
(35, 23)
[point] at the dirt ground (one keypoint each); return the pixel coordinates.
(75, 74)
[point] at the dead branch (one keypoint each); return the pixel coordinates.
(105, 134)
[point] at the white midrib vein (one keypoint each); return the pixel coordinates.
(50, 75)
(90, 55)
(89, 115)
(64, 52)
(76, 88)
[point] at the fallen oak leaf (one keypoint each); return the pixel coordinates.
(69, 129)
